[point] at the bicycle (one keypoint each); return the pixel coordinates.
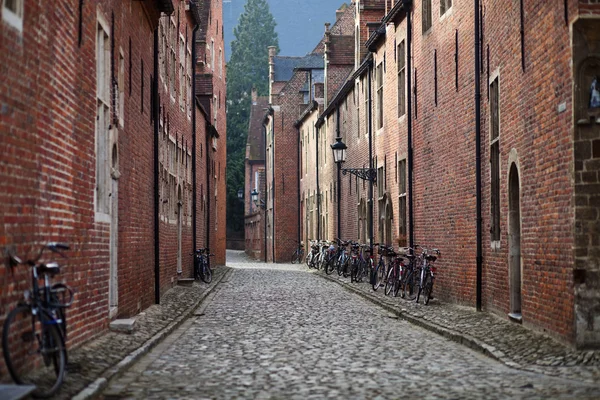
(394, 276)
(298, 255)
(202, 270)
(427, 274)
(342, 258)
(379, 274)
(365, 263)
(33, 335)
(329, 259)
(411, 274)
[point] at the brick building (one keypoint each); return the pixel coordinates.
(254, 215)
(411, 91)
(97, 141)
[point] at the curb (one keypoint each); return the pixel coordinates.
(95, 388)
(455, 336)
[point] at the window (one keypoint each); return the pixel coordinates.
(173, 59)
(121, 84)
(357, 95)
(12, 13)
(220, 63)
(182, 74)
(426, 15)
(402, 202)
(445, 6)
(379, 78)
(401, 62)
(162, 50)
(212, 55)
(103, 79)
(495, 161)
(189, 84)
(380, 182)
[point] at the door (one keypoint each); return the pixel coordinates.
(113, 287)
(514, 243)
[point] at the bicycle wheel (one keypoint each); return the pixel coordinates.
(390, 281)
(411, 286)
(354, 271)
(422, 285)
(398, 280)
(295, 257)
(339, 266)
(206, 273)
(427, 290)
(34, 352)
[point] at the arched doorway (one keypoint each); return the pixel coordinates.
(514, 242)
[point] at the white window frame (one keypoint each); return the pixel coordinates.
(14, 19)
(103, 113)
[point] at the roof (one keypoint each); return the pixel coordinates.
(379, 33)
(311, 61)
(284, 67)
(255, 144)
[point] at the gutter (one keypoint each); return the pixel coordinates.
(411, 229)
(194, 179)
(156, 172)
(478, 159)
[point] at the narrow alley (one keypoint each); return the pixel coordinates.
(280, 331)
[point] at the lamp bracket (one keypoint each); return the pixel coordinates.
(366, 174)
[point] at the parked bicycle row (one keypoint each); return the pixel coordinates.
(34, 333)
(408, 272)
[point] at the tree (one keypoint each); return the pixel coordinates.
(248, 67)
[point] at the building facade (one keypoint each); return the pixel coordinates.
(506, 186)
(97, 135)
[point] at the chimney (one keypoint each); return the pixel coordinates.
(340, 11)
(326, 58)
(254, 95)
(272, 53)
(318, 90)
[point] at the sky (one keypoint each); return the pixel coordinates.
(300, 23)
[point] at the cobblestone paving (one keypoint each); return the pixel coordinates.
(506, 341)
(277, 331)
(93, 359)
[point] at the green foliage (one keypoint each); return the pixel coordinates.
(248, 67)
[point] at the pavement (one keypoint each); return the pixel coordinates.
(107, 356)
(501, 339)
(282, 331)
(279, 331)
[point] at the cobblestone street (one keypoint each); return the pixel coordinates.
(279, 331)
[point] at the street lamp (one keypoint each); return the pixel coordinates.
(367, 174)
(240, 194)
(254, 197)
(339, 151)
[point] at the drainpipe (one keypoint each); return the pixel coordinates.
(193, 105)
(156, 181)
(370, 119)
(339, 177)
(264, 210)
(299, 175)
(411, 231)
(208, 176)
(318, 189)
(478, 157)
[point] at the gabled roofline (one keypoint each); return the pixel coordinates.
(379, 33)
(313, 105)
(349, 84)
